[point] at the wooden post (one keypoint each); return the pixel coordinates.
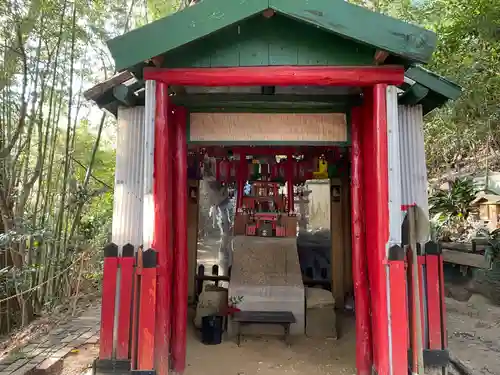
(136, 287)
(163, 236)
(337, 241)
(241, 177)
(399, 309)
(436, 308)
(376, 201)
(108, 301)
(193, 199)
(346, 232)
(417, 342)
(126, 286)
(180, 287)
(444, 332)
(289, 182)
(147, 313)
(359, 257)
(433, 301)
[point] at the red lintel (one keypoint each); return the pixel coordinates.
(362, 76)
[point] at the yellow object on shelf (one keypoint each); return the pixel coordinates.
(322, 172)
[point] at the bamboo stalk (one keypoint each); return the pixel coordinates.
(80, 271)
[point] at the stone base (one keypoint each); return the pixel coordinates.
(266, 275)
(212, 301)
(321, 320)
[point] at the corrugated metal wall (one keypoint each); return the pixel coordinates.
(129, 178)
(394, 167)
(413, 167)
(414, 179)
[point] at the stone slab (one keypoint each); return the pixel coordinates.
(266, 261)
(321, 322)
(266, 275)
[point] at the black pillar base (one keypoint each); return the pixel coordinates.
(433, 358)
(111, 366)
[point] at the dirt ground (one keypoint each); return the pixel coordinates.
(271, 356)
(474, 333)
(473, 337)
(79, 361)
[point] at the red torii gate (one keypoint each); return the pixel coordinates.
(372, 128)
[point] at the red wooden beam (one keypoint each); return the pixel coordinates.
(162, 238)
(359, 260)
(147, 313)
(126, 286)
(362, 76)
(108, 301)
(181, 274)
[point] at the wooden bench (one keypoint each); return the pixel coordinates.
(283, 318)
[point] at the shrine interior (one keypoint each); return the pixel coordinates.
(253, 208)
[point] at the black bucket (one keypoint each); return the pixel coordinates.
(211, 329)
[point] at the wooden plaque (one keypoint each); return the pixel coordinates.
(267, 127)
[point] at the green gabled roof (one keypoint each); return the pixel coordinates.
(440, 85)
(429, 89)
(407, 41)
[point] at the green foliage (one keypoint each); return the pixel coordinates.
(51, 212)
(468, 53)
(455, 201)
(451, 209)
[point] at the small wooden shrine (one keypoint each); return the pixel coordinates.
(291, 77)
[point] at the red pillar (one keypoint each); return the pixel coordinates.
(146, 323)
(399, 310)
(162, 238)
(181, 274)
(376, 202)
(359, 260)
(108, 301)
(126, 286)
